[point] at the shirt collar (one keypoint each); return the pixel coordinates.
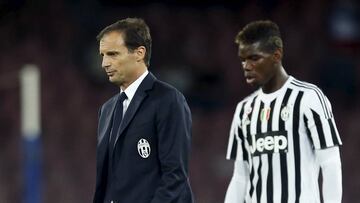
(131, 89)
(273, 95)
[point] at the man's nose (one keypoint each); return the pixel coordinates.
(246, 65)
(105, 63)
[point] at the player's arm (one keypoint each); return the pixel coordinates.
(237, 188)
(325, 138)
(329, 161)
(238, 185)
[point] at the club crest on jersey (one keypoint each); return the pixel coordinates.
(246, 120)
(265, 114)
(285, 113)
(144, 148)
(269, 142)
(248, 110)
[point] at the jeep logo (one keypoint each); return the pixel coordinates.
(270, 142)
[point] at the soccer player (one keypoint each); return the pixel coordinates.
(283, 133)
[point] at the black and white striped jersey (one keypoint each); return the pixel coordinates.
(277, 134)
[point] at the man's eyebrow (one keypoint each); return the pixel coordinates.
(108, 53)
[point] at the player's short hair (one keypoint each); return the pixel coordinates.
(264, 31)
(135, 33)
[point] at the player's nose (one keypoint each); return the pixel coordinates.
(247, 66)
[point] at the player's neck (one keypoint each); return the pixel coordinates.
(276, 82)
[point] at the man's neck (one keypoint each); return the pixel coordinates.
(276, 82)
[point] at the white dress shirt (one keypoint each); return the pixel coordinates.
(131, 89)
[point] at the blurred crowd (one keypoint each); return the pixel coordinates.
(194, 50)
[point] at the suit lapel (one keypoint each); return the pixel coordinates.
(107, 115)
(104, 133)
(135, 103)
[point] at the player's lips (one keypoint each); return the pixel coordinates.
(250, 78)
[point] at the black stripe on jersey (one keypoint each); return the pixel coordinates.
(250, 143)
(269, 182)
(233, 149)
(333, 132)
(308, 132)
(283, 160)
(258, 130)
(318, 92)
(248, 125)
(319, 129)
(258, 184)
(296, 142)
(241, 136)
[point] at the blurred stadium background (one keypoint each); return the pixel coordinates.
(193, 49)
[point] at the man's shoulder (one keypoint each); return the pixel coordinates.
(308, 88)
(110, 101)
(162, 88)
(250, 97)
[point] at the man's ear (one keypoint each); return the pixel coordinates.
(140, 53)
(277, 55)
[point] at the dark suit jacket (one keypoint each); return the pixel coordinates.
(159, 114)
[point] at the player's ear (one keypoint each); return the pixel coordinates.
(277, 55)
(140, 53)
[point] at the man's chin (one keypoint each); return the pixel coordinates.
(111, 79)
(255, 85)
(115, 81)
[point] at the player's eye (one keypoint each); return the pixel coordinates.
(254, 57)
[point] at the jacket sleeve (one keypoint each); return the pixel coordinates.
(173, 122)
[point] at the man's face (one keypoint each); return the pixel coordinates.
(117, 61)
(258, 65)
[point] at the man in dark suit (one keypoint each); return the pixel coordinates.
(144, 131)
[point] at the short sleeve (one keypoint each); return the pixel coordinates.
(235, 149)
(319, 120)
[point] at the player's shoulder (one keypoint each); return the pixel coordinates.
(248, 99)
(309, 89)
(313, 95)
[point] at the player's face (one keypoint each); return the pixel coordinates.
(258, 65)
(118, 62)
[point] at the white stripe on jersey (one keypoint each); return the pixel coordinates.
(278, 143)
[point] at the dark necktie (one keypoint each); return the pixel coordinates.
(117, 118)
(116, 121)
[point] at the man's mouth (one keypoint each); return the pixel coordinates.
(110, 73)
(250, 78)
